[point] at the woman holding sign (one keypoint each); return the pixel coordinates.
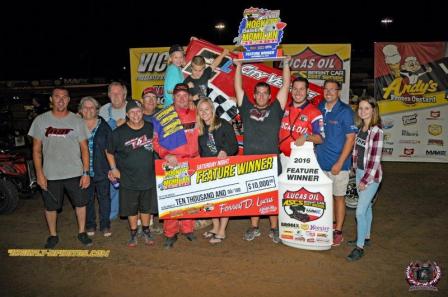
(367, 163)
(216, 139)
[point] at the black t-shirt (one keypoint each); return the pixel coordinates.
(261, 127)
(133, 150)
(221, 139)
(200, 84)
(361, 147)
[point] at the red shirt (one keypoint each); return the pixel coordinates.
(297, 121)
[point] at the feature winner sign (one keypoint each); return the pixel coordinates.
(212, 187)
(260, 33)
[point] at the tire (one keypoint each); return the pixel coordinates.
(351, 197)
(9, 197)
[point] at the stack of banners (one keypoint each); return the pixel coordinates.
(212, 187)
(411, 85)
(305, 202)
(320, 62)
(222, 84)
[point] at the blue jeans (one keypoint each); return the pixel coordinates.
(364, 209)
(102, 193)
(114, 202)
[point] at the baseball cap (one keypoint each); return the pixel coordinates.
(176, 48)
(149, 90)
(181, 87)
(132, 104)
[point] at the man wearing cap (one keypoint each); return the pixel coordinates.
(149, 101)
(131, 158)
(114, 113)
(178, 140)
(173, 74)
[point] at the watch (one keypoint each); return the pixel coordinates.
(85, 173)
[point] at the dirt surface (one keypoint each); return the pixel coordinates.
(410, 223)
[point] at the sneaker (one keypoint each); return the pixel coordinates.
(169, 242)
(132, 242)
(353, 242)
(337, 238)
(52, 241)
(251, 233)
(107, 232)
(156, 228)
(149, 239)
(90, 231)
(84, 238)
(275, 235)
(356, 254)
(190, 236)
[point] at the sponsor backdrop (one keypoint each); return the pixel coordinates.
(411, 85)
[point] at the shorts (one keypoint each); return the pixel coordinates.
(134, 201)
(340, 182)
(54, 196)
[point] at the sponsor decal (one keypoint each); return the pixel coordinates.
(411, 141)
(409, 133)
(387, 137)
(408, 151)
(435, 129)
(409, 119)
(387, 123)
(434, 115)
(423, 275)
(387, 151)
(436, 153)
(438, 142)
(303, 205)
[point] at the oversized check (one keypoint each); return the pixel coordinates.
(212, 187)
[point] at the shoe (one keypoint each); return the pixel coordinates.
(169, 242)
(85, 240)
(190, 236)
(208, 234)
(353, 242)
(216, 239)
(356, 254)
(337, 238)
(149, 239)
(275, 235)
(52, 241)
(156, 228)
(107, 232)
(132, 242)
(251, 233)
(90, 231)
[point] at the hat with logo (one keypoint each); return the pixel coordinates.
(149, 90)
(181, 87)
(133, 104)
(175, 48)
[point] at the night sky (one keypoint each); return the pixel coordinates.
(92, 38)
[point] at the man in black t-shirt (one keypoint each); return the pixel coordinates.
(261, 122)
(131, 159)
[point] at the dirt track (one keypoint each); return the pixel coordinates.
(410, 223)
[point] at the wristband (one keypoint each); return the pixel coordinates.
(85, 173)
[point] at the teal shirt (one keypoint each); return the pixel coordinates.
(173, 76)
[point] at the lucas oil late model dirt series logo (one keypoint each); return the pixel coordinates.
(303, 205)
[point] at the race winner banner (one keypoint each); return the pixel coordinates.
(319, 62)
(148, 66)
(411, 86)
(212, 187)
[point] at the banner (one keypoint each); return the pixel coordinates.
(318, 62)
(411, 86)
(148, 67)
(212, 187)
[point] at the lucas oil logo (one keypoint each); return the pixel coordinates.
(303, 205)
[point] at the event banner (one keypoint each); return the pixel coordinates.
(212, 187)
(411, 86)
(148, 67)
(319, 62)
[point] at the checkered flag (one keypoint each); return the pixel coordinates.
(225, 108)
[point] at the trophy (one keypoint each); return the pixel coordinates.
(259, 35)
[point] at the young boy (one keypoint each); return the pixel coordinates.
(201, 74)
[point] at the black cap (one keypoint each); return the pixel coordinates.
(176, 48)
(181, 87)
(133, 104)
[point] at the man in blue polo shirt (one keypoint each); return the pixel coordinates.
(334, 154)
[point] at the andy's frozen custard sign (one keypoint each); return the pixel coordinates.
(260, 33)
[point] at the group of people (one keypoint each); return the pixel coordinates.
(120, 141)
